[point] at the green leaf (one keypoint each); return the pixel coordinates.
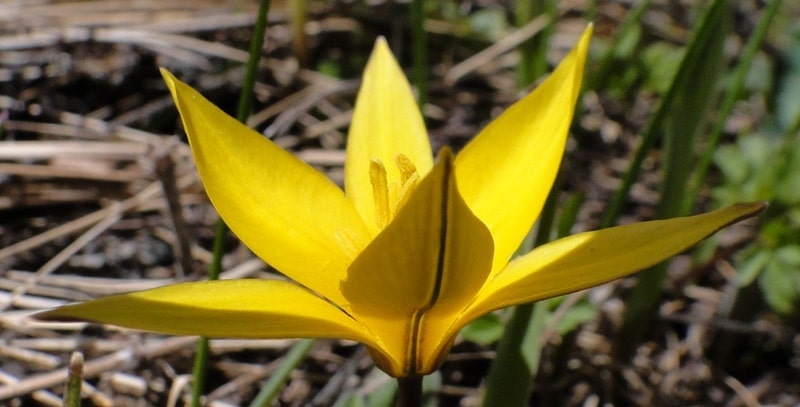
(729, 161)
(384, 394)
(431, 385)
(788, 188)
(491, 23)
(780, 284)
(678, 122)
(661, 61)
(351, 399)
(752, 267)
(577, 315)
(787, 108)
(789, 255)
(485, 330)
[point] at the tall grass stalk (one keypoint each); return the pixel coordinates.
(533, 52)
(72, 394)
(677, 123)
(732, 95)
(270, 390)
(632, 19)
(654, 128)
(298, 14)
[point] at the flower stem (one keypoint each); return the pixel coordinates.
(409, 392)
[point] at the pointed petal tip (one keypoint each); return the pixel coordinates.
(592, 258)
(749, 209)
(52, 315)
(587, 32)
(165, 73)
(174, 85)
(168, 77)
(582, 47)
(381, 49)
(381, 41)
(386, 123)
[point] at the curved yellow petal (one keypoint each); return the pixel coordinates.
(592, 258)
(506, 172)
(289, 214)
(225, 308)
(430, 260)
(386, 123)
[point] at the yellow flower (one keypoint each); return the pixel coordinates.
(411, 251)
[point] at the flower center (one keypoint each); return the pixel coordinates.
(390, 196)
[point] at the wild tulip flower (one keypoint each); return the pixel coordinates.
(412, 250)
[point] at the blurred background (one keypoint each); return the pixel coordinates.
(687, 106)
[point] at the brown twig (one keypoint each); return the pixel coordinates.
(165, 170)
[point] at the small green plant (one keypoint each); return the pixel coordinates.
(766, 167)
(765, 164)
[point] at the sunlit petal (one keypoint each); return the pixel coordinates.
(289, 214)
(592, 258)
(225, 308)
(431, 259)
(505, 173)
(386, 123)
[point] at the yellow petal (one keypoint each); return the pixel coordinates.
(225, 308)
(433, 257)
(592, 258)
(386, 123)
(506, 172)
(289, 214)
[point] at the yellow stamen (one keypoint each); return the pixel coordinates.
(408, 179)
(380, 192)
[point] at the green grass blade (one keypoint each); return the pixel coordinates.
(298, 15)
(72, 395)
(677, 122)
(692, 100)
(689, 74)
(273, 386)
(731, 96)
(517, 359)
(256, 44)
(533, 52)
(606, 63)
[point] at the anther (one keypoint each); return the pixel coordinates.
(380, 192)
